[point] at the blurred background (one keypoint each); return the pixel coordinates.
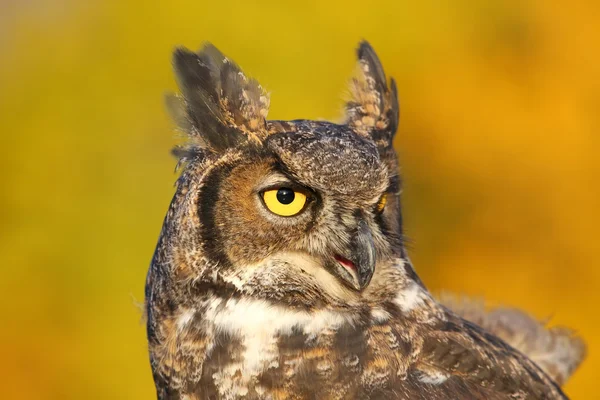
(499, 140)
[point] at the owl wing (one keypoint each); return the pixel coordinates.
(461, 357)
(455, 360)
(557, 350)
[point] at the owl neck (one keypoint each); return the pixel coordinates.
(215, 316)
(300, 290)
(257, 322)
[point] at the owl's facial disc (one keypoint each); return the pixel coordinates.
(286, 203)
(356, 269)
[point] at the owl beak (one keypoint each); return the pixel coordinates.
(358, 269)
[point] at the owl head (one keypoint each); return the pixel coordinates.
(304, 212)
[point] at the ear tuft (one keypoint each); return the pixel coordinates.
(219, 107)
(373, 109)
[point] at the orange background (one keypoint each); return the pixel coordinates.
(498, 139)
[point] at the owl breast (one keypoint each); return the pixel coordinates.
(260, 350)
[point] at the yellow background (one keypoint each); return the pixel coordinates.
(498, 138)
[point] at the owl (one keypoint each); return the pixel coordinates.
(281, 270)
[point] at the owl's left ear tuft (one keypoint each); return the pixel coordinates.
(219, 106)
(373, 109)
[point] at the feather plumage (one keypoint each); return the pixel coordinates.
(557, 350)
(243, 303)
(220, 107)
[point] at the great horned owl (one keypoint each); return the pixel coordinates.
(281, 271)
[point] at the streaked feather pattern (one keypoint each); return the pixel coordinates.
(557, 350)
(244, 304)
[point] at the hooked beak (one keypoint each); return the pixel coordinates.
(357, 268)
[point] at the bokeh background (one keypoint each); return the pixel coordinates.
(499, 142)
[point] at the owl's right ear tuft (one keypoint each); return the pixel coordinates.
(373, 109)
(219, 106)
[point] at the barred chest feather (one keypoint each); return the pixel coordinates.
(253, 349)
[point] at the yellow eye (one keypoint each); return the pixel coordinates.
(381, 204)
(284, 201)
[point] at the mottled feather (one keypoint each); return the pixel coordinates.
(223, 108)
(244, 304)
(557, 350)
(373, 109)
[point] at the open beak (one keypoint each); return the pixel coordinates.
(357, 268)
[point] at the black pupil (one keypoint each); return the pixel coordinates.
(285, 196)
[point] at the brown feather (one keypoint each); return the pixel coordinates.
(557, 350)
(220, 107)
(373, 109)
(242, 303)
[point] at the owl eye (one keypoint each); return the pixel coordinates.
(284, 201)
(381, 204)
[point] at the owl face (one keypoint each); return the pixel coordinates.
(286, 210)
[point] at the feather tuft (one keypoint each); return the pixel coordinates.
(219, 106)
(373, 109)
